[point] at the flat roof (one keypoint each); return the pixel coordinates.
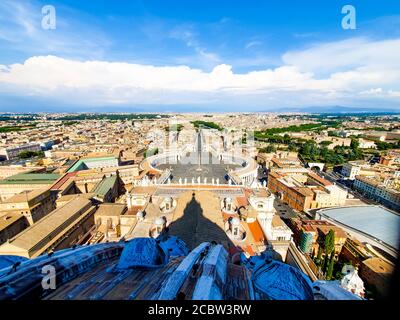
(304, 191)
(379, 265)
(43, 228)
(375, 221)
(82, 161)
(68, 197)
(31, 178)
(59, 184)
(105, 185)
(8, 219)
(111, 209)
(26, 196)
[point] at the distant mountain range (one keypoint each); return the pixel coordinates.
(37, 108)
(343, 109)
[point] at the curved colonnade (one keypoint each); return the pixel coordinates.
(245, 175)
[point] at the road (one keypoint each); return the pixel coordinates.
(334, 177)
(285, 211)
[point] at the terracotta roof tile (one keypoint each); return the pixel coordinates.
(242, 201)
(256, 231)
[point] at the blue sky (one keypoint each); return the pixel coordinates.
(198, 55)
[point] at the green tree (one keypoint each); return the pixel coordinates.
(270, 148)
(331, 264)
(306, 149)
(292, 147)
(329, 248)
(206, 125)
(30, 154)
(333, 134)
(286, 139)
(325, 143)
(354, 144)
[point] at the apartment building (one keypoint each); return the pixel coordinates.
(25, 182)
(366, 144)
(360, 168)
(379, 188)
(283, 157)
(351, 170)
(334, 141)
(60, 229)
(10, 225)
(34, 204)
(378, 273)
(303, 190)
(390, 159)
(11, 153)
(310, 235)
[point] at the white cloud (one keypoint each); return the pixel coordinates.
(363, 69)
(346, 54)
(202, 54)
(51, 73)
(252, 44)
(393, 93)
(373, 91)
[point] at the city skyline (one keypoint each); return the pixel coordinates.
(203, 57)
(286, 206)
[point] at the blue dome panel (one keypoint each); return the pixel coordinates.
(142, 252)
(280, 281)
(7, 261)
(175, 247)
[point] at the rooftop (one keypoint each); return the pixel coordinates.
(111, 209)
(375, 221)
(59, 183)
(80, 164)
(31, 178)
(59, 218)
(256, 231)
(379, 265)
(105, 185)
(26, 196)
(324, 227)
(8, 219)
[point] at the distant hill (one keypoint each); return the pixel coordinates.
(345, 110)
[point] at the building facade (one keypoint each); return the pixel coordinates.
(303, 190)
(378, 191)
(25, 182)
(12, 153)
(34, 205)
(60, 229)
